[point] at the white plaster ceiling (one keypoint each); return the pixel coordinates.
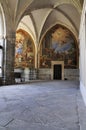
(37, 16)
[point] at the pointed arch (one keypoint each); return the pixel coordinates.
(2, 43)
(2, 23)
(49, 48)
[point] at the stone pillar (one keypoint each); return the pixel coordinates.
(8, 60)
(1, 59)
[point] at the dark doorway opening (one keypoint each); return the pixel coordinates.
(57, 72)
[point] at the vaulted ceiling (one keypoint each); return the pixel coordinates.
(38, 16)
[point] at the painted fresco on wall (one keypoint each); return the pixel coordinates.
(58, 45)
(24, 50)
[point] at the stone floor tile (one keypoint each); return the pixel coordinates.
(55, 105)
(2, 128)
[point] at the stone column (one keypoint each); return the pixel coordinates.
(8, 60)
(1, 59)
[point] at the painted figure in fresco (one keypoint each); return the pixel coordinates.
(58, 47)
(61, 40)
(19, 50)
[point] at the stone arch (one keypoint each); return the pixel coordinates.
(2, 23)
(2, 41)
(73, 34)
(48, 54)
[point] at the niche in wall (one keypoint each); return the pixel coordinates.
(59, 44)
(24, 50)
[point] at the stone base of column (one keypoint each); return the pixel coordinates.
(9, 81)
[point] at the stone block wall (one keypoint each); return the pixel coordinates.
(26, 75)
(44, 74)
(69, 74)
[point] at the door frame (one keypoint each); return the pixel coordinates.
(52, 68)
(57, 74)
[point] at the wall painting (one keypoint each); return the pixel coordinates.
(24, 50)
(58, 45)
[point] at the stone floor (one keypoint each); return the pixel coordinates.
(54, 105)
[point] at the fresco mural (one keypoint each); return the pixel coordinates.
(24, 50)
(58, 45)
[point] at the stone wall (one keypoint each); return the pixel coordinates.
(44, 74)
(26, 75)
(69, 74)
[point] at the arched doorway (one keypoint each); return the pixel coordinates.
(59, 44)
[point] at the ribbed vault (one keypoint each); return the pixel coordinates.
(37, 16)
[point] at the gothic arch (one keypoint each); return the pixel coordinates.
(74, 44)
(2, 23)
(2, 41)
